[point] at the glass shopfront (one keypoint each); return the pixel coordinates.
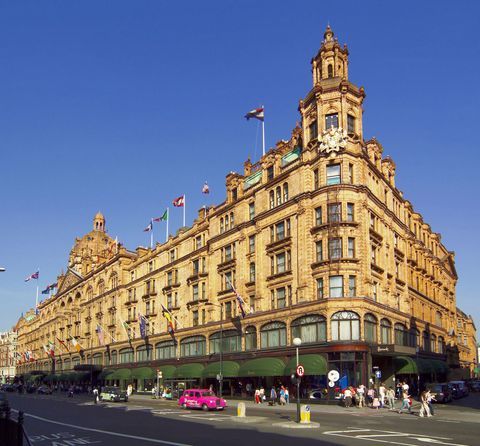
(350, 365)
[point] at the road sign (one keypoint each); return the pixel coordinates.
(378, 374)
(159, 374)
(331, 383)
(300, 370)
(333, 375)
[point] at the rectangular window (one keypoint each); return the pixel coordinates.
(336, 286)
(251, 211)
(172, 255)
(252, 272)
(228, 310)
(316, 180)
(280, 231)
(352, 289)
(335, 248)
(196, 266)
(333, 174)
(351, 247)
(251, 244)
(228, 280)
(234, 194)
(198, 242)
(280, 260)
(169, 278)
(227, 253)
(319, 288)
(281, 298)
(374, 254)
(375, 291)
(334, 214)
(350, 173)
(350, 124)
(313, 130)
(169, 302)
(319, 251)
(195, 318)
(331, 120)
(270, 173)
(350, 212)
(195, 292)
(318, 216)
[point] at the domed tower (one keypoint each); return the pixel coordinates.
(99, 222)
(333, 103)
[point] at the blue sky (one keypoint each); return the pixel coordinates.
(122, 106)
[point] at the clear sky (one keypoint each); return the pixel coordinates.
(122, 106)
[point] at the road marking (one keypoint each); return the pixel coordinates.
(211, 417)
(101, 431)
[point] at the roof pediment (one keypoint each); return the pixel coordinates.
(70, 279)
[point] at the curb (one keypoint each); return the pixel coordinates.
(293, 425)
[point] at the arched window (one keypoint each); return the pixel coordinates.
(273, 334)
(426, 341)
(231, 342)
(90, 293)
(113, 357)
(401, 335)
(193, 346)
(278, 194)
(330, 70)
(272, 199)
(414, 337)
(370, 328)
(113, 281)
(58, 365)
(433, 343)
(221, 225)
(232, 221)
(285, 192)
(125, 355)
(97, 359)
(101, 287)
(345, 326)
(385, 331)
(165, 350)
(144, 352)
(250, 338)
(66, 364)
(441, 345)
(310, 328)
(76, 361)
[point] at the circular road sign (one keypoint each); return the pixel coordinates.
(300, 370)
(333, 375)
(331, 383)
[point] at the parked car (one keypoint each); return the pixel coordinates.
(44, 390)
(441, 391)
(201, 399)
(474, 385)
(460, 389)
(317, 394)
(3, 402)
(113, 394)
(31, 389)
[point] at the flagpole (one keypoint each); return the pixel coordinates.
(36, 299)
(166, 232)
(151, 235)
(184, 206)
(263, 131)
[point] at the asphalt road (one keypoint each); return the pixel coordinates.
(59, 421)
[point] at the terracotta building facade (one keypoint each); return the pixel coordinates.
(317, 240)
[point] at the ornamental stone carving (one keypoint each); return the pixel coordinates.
(332, 141)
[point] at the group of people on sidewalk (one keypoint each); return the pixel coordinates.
(282, 396)
(385, 397)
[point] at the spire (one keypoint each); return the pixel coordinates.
(99, 222)
(328, 34)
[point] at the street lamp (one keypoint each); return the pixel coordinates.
(297, 342)
(220, 374)
(2, 270)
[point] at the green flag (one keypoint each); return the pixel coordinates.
(164, 217)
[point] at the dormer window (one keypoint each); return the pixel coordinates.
(234, 194)
(350, 124)
(330, 70)
(313, 130)
(331, 121)
(270, 173)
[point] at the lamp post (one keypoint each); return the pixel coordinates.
(2, 270)
(297, 342)
(220, 374)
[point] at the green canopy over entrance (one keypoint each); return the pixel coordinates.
(105, 374)
(425, 365)
(313, 365)
(193, 370)
(143, 373)
(229, 369)
(168, 371)
(404, 365)
(262, 367)
(439, 366)
(121, 374)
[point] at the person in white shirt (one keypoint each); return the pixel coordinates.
(381, 392)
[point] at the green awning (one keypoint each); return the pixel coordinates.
(80, 376)
(168, 371)
(262, 367)
(404, 365)
(229, 369)
(424, 365)
(313, 365)
(439, 366)
(105, 374)
(193, 370)
(143, 373)
(121, 374)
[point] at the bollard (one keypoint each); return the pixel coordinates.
(20, 429)
(305, 414)
(241, 410)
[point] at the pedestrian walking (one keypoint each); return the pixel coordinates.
(370, 395)
(361, 395)
(391, 398)
(129, 390)
(287, 395)
(257, 396)
(381, 391)
(95, 395)
(273, 396)
(424, 410)
(347, 397)
(282, 396)
(430, 399)
(262, 394)
(405, 403)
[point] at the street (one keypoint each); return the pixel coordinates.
(59, 421)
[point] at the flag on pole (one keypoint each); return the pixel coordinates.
(142, 321)
(64, 345)
(33, 276)
(241, 303)
(205, 188)
(77, 346)
(164, 217)
(51, 347)
(179, 202)
(149, 227)
(49, 288)
(126, 328)
(256, 113)
(47, 350)
(100, 334)
(168, 316)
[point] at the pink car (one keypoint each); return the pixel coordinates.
(201, 399)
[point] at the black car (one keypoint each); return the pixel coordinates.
(441, 392)
(44, 390)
